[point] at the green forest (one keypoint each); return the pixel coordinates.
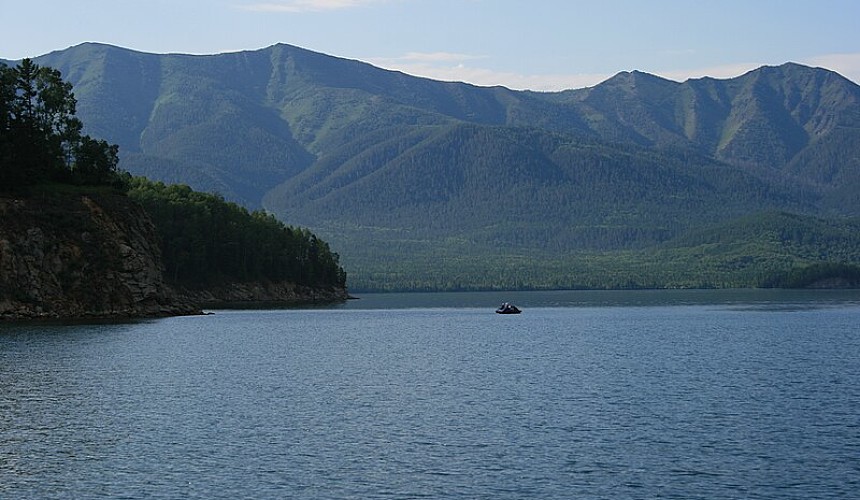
(208, 241)
(769, 249)
(204, 239)
(431, 202)
(40, 137)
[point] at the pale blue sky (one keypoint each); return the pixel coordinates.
(535, 44)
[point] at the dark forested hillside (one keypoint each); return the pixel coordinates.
(73, 244)
(375, 160)
(524, 188)
(242, 123)
(209, 242)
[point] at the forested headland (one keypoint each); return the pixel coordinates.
(209, 241)
(197, 240)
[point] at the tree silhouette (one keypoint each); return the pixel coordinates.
(40, 137)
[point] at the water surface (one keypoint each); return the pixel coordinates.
(725, 394)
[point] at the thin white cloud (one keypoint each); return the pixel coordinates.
(433, 57)
(295, 6)
(447, 66)
(455, 67)
(678, 52)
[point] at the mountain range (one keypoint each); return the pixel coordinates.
(431, 184)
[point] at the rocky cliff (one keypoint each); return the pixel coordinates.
(253, 295)
(96, 255)
(81, 256)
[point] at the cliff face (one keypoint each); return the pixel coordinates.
(97, 256)
(81, 256)
(253, 295)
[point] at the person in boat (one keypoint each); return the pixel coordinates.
(507, 307)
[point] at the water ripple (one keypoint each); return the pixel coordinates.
(664, 401)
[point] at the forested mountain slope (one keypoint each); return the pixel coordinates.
(243, 122)
(373, 159)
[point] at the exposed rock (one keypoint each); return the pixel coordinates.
(79, 256)
(97, 256)
(263, 294)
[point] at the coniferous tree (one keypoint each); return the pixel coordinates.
(206, 241)
(7, 94)
(41, 137)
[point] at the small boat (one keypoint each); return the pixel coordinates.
(508, 308)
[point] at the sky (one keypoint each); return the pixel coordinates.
(543, 45)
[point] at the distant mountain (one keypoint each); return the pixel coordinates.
(386, 166)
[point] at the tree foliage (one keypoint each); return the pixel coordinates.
(204, 239)
(818, 275)
(769, 249)
(40, 137)
(399, 171)
(208, 241)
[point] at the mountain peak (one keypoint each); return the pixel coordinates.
(791, 70)
(393, 160)
(636, 77)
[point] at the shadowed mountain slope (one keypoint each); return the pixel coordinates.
(370, 158)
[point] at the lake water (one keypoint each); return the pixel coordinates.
(722, 394)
